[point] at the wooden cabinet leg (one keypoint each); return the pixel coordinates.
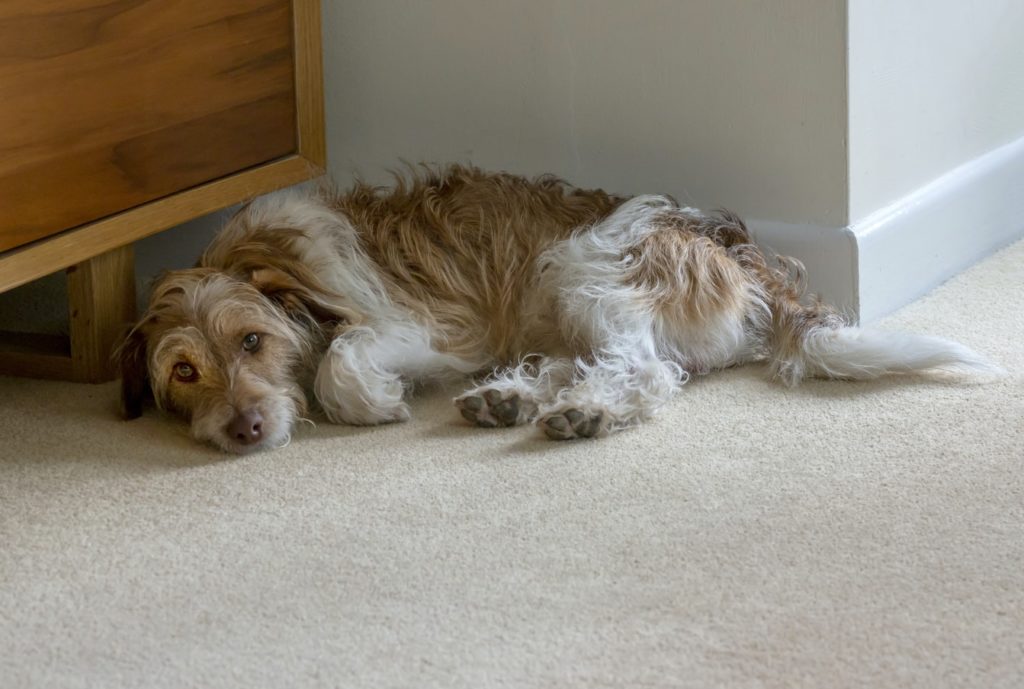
(101, 302)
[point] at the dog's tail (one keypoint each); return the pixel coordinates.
(854, 353)
(814, 341)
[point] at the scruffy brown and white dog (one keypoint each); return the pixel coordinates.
(589, 311)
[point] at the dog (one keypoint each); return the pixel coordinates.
(585, 312)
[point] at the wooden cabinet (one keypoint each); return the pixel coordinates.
(121, 118)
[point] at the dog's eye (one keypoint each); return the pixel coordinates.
(251, 342)
(186, 373)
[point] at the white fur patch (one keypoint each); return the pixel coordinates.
(360, 378)
(861, 354)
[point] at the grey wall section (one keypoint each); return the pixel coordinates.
(177, 248)
(726, 103)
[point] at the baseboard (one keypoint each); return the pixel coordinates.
(906, 249)
(828, 253)
(900, 252)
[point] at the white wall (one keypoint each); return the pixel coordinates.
(933, 84)
(720, 102)
(936, 124)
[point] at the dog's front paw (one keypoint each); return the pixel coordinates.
(491, 408)
(569, 423)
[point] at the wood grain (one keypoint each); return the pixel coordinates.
(68, 248)
(101, 301)
(134, 143)
(107, 105)
(309, 89)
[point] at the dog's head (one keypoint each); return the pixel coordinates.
(227, 353)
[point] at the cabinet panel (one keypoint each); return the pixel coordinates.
(106, 105)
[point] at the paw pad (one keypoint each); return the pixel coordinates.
(490, 409)
(571, 423)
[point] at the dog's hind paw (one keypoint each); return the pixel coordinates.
(491, 408)
(570, 423)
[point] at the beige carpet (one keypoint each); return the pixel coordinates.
(838, 535)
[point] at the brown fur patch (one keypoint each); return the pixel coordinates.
(686, 267)
(783, 282)
(461, 246)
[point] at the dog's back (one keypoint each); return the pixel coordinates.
(461, 247)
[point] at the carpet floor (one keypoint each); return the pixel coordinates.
(835, 535)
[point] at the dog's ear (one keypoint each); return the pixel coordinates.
(303, 297)
(131, 359)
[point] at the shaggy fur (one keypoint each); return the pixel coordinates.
(589, 311)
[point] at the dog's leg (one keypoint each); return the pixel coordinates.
(650, 301)
(361, 378)
(613, 392)
(354, 387)
(511, 397)
(627, 378)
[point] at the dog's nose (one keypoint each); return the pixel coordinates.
(246, 427)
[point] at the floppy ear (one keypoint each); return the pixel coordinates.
(303, 297)
(131, 358)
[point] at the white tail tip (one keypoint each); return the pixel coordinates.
(861, 354)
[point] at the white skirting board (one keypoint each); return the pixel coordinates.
(902, 251)
(828, 253)
(911, 246)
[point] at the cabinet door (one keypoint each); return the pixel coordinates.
(109, 104)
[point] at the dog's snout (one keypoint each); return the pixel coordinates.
(247, 427)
